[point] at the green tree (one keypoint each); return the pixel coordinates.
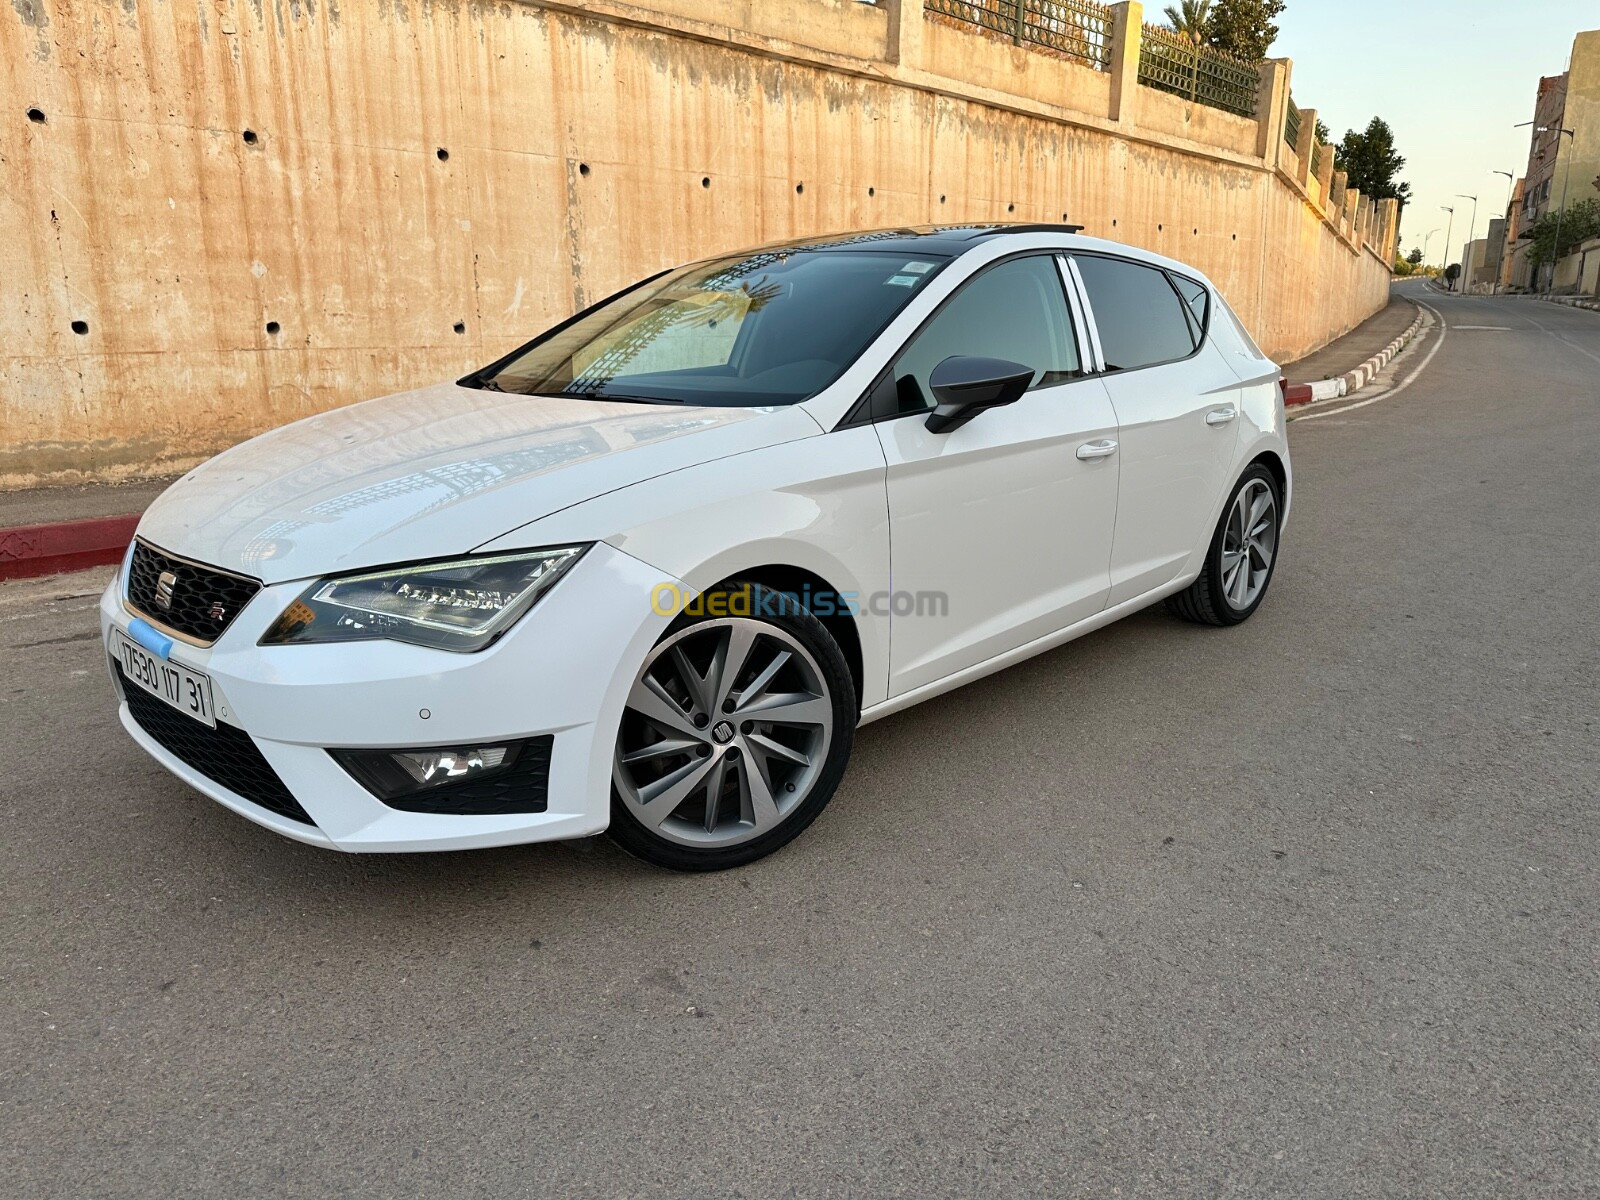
(1370, 163)
(1243, 27)
(1324, 134)
(1580, 223)
(1415, 257)
(1190, 19)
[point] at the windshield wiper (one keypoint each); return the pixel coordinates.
(623, 398)
(493, 384)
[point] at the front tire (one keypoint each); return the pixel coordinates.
(735, 734)
(1241, 557)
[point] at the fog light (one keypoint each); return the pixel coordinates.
(390, 773)
(437, 766)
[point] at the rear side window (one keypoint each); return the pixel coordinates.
(1197, 298)
(1140, 317)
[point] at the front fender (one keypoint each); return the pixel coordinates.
(819, 504)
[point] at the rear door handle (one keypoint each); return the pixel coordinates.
(1098, 449)
(1221, 416)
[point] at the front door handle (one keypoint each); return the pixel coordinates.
(1221, 416)
(1098, 449)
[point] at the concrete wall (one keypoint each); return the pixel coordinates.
(1580, 271)
(405, 189)
(1589, 268)
(1579, 161)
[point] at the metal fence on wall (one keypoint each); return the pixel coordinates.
(1172, 63)
(1077, 28)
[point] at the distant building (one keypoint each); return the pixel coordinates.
(1513, 230)
(1474, 256)
(1561, 169)
(1487, 272)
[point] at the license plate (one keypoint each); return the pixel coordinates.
(186, 690)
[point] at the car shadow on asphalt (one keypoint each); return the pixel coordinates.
(1000, 747)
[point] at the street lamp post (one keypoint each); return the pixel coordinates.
(1566, 177)
(1426, 242)
(1444, 262)
(1505, 237)
(1471, 230)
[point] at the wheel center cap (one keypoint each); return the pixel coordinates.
(722, 732)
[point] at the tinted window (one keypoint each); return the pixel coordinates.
(1015, 311)
(1140, 318)
(1197, 298)
(763, 329)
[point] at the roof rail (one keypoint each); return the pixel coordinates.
(1039, 227)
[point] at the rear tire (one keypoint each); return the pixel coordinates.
(1241, 557)
(736, 733)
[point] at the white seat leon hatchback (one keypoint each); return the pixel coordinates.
(651, 571)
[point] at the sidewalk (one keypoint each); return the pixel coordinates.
(45, 531)
(1365, 341)
(45, 506)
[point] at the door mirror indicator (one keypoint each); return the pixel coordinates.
(965, 385)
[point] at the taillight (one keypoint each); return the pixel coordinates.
(1283, 388)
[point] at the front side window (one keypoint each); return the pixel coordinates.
(1139, 316)
(772, 328)
(1016, 311)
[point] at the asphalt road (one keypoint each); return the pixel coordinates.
(1307, 908)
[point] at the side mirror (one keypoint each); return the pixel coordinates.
(964, 386)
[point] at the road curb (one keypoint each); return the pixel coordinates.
(1352, 381)
(28, 551)
(1573, 302)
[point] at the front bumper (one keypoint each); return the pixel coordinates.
(564, 670)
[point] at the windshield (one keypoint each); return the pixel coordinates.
(765, 329)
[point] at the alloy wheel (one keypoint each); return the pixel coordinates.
(1248, 544)
(725, 732)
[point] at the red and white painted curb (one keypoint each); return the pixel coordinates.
(1352, 381)
(28, 551)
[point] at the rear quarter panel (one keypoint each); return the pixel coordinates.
(1262, 425)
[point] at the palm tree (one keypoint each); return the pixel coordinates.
(1190, 19)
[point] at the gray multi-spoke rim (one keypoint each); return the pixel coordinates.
(725, 733)
(1249, 541)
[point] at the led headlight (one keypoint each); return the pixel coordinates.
(459, 605)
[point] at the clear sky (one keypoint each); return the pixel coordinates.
(1450, 76)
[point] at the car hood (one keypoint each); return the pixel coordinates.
(432, 473)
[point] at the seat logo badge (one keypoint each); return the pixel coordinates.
(722, 732)
(164, 586)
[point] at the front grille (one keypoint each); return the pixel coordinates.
(225, 754)
(200, 602)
